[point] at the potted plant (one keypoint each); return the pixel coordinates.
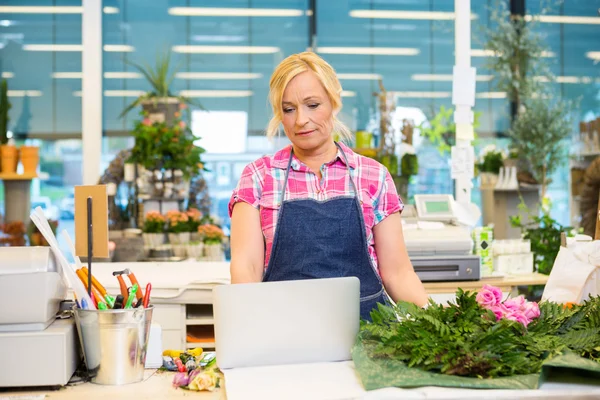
(538, 136)
(35, 236)
(213, 241)
(488, 165)
(161, 146)
(153, 229)
(159, 103)
(8, 152)
(177, 227)
(441, 129)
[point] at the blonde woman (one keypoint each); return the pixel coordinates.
(316, 209)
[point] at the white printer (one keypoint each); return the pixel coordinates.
(31, 290)
(439, 247)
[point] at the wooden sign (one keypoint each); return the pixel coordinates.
(99, 220)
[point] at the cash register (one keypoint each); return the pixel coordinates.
(439, 246)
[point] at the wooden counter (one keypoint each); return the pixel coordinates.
(506, 284)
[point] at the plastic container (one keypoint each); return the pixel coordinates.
(114, 343)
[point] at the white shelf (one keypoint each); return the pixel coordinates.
(207, 320)
(204, 345)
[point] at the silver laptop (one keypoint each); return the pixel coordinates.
(288, 322)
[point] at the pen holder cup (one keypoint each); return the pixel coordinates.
(114, 343)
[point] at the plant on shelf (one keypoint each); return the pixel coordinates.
(538, 136)
(441, 129)
(35, 236)
(161, 146)
(544, 233)
(211, 234)
(153, 229)
(490, 160)
(15, 234)
(160, 77)
(154, 222)
(194, 220)
(178, 227)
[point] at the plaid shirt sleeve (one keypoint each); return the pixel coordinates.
(388, 201)
(249, 187)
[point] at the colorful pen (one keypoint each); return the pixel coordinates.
(147, 295)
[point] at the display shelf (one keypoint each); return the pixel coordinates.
(200, 336)
(199, 314)
(13, 176)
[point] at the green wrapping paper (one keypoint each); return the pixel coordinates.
(378, 373)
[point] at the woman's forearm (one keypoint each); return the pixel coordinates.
(245, 273)
(405, 285)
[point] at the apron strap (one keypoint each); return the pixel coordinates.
(287, 172)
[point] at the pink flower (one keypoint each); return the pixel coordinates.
(182, 106)
(182, 124)
(147, 122)
(499, 310)
(518, 317)
(516, 304)
(489, 296)
(532, 310)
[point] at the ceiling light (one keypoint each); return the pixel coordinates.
(53, 47)
(116, 93)
(24, 93)
(594, 55)
(372, 77)
(217, 75)
(491, 53)
(67, 75)
(418, 15)
(574, 79)
(226, 49)
(216, 93)
(110, 10)
(381, 51)
(491, 95)
(118, 48)
(8, 75)
(564, 19)
(41, 9)
(347, 93)
(446, 77)
(423, 95)
(234, 12)
(122, 75)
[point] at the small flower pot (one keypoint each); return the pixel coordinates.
(195, 250)
(214, 252)
(153, 240)
(179, 238)
(10, 158)
(179, 250)
(30, 158)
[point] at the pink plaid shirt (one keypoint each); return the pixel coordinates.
(261, 183)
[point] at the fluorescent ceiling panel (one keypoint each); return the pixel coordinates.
(348, 93)
(564, 19)
(24, 93)
(216, 93)
(446, 77)
(51, 10)
(8, 75)
(490, 53)
(226, 49)
(594, 55)
(53, 47)
(67, 75)
(234, 12)
(423, 95)
(118, 48)
(358, 77)
(380, 51)
(491, 95)
(122, 75)
(413, 15)
(218, 75)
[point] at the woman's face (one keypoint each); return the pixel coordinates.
(307, 113)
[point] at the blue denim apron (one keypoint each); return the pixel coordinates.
(324, 239)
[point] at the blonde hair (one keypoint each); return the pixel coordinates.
(295, 65)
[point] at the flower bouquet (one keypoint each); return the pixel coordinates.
(478, 340)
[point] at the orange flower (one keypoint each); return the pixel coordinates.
(569, 305)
